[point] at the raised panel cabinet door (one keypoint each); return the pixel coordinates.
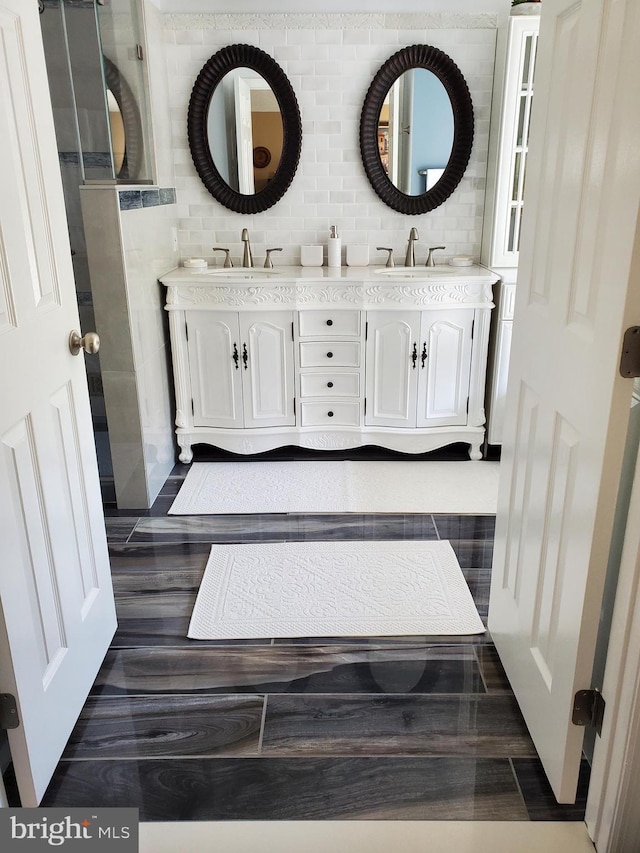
(267, 370)
(392, 367)
(444, 367)
(216, 386)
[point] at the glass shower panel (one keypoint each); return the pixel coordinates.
(124, 72)
(83, 45)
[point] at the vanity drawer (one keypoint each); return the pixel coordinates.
(330, 354)
(335, 323)
(329, 384)
(330, 414)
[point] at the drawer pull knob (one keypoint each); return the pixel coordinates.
(329, 384)
(330, 414)
(329, 355)
(329, 322)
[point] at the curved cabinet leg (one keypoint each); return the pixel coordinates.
(475, 451)
(186, 453)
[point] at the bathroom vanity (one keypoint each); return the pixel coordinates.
(329, 358)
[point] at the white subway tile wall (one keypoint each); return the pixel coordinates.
(330, 61)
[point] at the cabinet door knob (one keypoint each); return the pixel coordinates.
(235, 354)
(329, 322)
(329, 355)
(245, 355)
(330, 414)
(423, 354)
(329, 384)
(414, 355)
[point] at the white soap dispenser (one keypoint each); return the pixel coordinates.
(334, 248)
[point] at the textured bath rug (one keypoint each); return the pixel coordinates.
(333, 589)
(212, 488)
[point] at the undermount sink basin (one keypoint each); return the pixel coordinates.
(418, 272)
(243, 272)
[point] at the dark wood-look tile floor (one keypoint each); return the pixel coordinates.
(373, 728)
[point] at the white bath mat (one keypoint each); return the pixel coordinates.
(333, 589)
(212, 488)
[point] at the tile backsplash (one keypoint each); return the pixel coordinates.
(330, 61)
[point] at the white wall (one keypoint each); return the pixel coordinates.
(330, 61)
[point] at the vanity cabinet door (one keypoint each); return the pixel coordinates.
(216, 388)
(241, 368)
(266, 368)
(392, 368)
(444, 367)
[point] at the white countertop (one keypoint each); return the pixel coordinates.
(441, 273)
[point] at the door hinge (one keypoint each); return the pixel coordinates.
(8, 712)
(186, 332)
(139, 52)
(292, 334)
(630, 357)
(193, 408)
(366, 330)
(294, 407)
(588, 709)
(365, 406)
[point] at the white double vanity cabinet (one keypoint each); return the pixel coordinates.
(329, 359)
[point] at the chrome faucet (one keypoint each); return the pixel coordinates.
(410, 258)
(247, 257)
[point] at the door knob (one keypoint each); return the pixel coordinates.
(90, 343)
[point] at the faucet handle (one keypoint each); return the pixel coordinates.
(430, 262)
(390, 262)
(227, 260)
(267, 261)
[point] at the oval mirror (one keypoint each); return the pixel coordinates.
(416, 129)
(244, 129)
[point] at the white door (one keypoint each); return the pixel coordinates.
(445, 367)
(214, 348)
(57, 613)
(267, 373)
(567, 407)
(392, 368)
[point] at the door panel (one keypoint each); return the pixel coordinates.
(567, 406)
(443, 385)
(215, 376)
(57, 614)
(391, 372)
(268, 382)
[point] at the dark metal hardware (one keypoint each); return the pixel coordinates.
(8, 712)
(245, 355)
(329, 384)
(588, 709)
(330, 414)
(329, 322)
(630, 357)
(414, 355)
(235, 355)
(329, 355)
(423, 356)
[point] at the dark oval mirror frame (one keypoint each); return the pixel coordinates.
(225, 60)
(133, 137)
(445, 69)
